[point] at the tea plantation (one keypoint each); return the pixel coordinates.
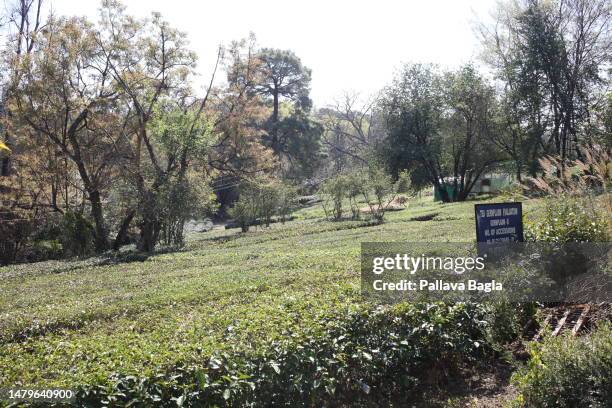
(232, 317)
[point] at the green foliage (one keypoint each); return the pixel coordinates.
(439, 126)
(260, 200)
(224, 292)
(282, 73)
(77, 234)
(244, 212)
(354, 187)
(45, 249)
(183, 135)
(179, 200)
(569, 219)
(300, 136)
(181, 130)
(292, 135)
(376, 191)
(568, 372)
(374, 185)
(333, 191)
(507, 320)
(404, 182)
(266, 195)
(412, 108)
(287, 201)
(366, 355)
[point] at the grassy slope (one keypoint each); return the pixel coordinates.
(69, 323)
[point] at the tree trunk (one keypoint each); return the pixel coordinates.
(121, 237)
(148, 235)
(101, 240)
(149, 227)
(519, 176)
(274, 143)
(5, 167)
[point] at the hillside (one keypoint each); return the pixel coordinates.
(75, 322)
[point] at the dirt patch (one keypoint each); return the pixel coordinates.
(425, 217)
(488, 389)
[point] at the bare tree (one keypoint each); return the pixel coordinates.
(351, 128)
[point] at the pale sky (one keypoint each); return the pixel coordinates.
(349, 45)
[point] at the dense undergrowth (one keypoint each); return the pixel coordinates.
(568, 372)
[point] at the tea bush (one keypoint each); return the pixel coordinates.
(568, 372)
(287, 201)
(507, 320)
(366, 356)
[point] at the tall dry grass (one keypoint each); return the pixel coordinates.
(588, 179)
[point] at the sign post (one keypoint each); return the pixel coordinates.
(499, 222)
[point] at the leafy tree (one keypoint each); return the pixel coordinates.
(550, 57)
(413, 111)
(183, 139)
(282, 75)
(301, 138)
(23, 21)
(294, 136)
(440, 126)
(65, 96)
(241, 115)
(149, 61)
(468, 131)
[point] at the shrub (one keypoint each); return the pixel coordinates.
(376, 191)
(354, 188)
(568, 372)
(260, 200)
(181, 199)
(244, 212)
(404, 183)
(363, 357)
(568, 219)
(77, 234)
(45, 250)
(266, 195)
(16, 227)
(287, 201)
(374, 185)
(333, 191)
(507, 320)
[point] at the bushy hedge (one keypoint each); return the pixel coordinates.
(569, 219)
(568, 372)
(261, 199)
(368, 356)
